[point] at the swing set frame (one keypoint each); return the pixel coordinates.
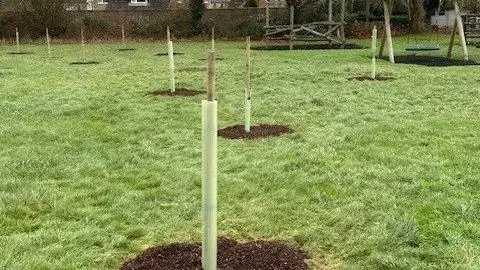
(387, 34)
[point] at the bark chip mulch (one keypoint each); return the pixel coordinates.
(85, 63)
(368, 78)
(19, 52)
(281, 47)
(256, 132)
(166, 54)
(232, 255)
(178, 92)
(217, 58)
(431, 61)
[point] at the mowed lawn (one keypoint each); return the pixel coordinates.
(377, 175)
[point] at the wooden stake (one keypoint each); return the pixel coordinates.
(452, 40)
(292, 20)
(83, 45)
(209, 171)
(461, 33)
(342, 28)
(213, 39)
(123, 37)
(211, 76)
(48, 42)
(248, 87)
(17, 38)
(168, 34)
(388, 30)
(172, 66)
(374, 52)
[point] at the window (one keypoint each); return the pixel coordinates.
(138, 2)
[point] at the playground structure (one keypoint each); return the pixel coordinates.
(387, 34)
(324, 31)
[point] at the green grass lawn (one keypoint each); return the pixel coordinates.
(377, 175)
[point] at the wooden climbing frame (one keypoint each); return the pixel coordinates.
(324, 31)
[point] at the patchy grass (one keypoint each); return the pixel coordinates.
(375, 175)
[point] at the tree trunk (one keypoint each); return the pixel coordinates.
(418, 16)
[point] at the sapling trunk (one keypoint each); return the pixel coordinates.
(47, 35)
(374, 52)
(248, 87)
(209, 171)
(83, 46)
(17, 38)
(171, 62)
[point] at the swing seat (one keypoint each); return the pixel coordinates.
(423, 47)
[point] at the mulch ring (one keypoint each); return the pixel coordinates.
(217, 58)
(256, 132)
(192, 69)
(166, 54)
(178, 92)
(125, 49)
(19, 52)
(431, 61)
(368, 78)
(232, 255)
(85, 63)
(273, 47)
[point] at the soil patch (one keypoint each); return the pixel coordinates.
(85, 63)
(273, 47)
(368, 78)
(19, 52)
(431, 61)
(125, 49)
(166, 54)
(232, 255)
(192, 69)
(256, 132)
(178, 92)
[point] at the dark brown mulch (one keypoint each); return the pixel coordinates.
(192, 69)
(85, 63)
(218, 58)
(368, 78)
(232, 255)
(431, 61)
(125, 49)
(273, 47)
(19, 52)
(166, 54)
(256, 132)
(178, 92)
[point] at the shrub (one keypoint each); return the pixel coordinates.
(95, 27)
(254, 29)
(197, 9)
